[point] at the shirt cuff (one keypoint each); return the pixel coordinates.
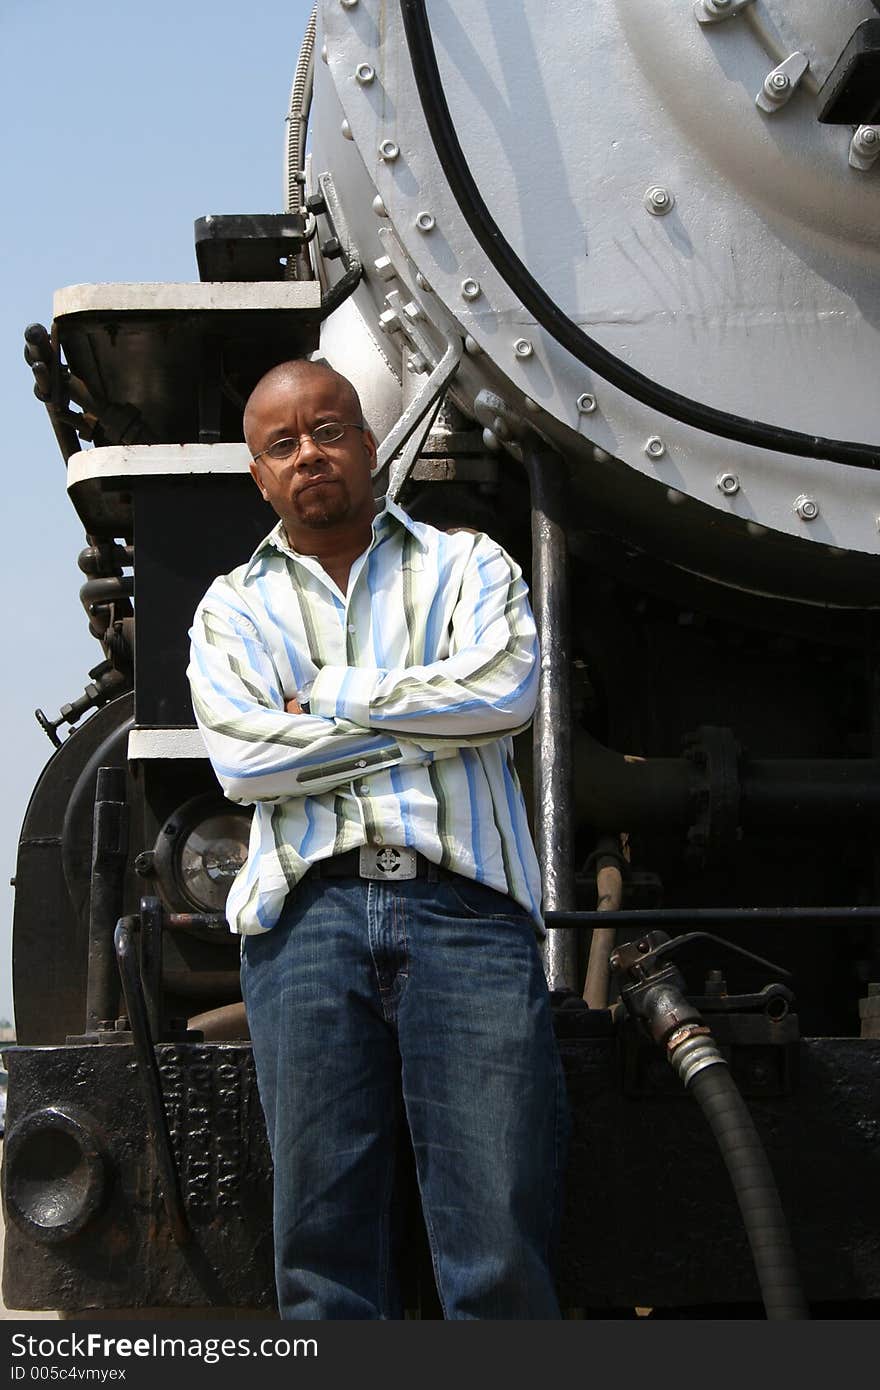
(343, 692)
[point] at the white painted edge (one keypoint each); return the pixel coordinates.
(211, 294)
(155, 461)
(165, 743)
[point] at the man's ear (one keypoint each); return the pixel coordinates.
(256, 477)
(372, 449)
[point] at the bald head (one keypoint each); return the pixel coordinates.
(287, 380)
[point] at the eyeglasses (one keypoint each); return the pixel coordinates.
(320, 435)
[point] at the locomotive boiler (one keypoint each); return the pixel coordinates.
(607, 277)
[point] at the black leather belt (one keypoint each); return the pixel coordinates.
(385, 863)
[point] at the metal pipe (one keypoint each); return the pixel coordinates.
(609, 896)
(643, 920)
(109, 852)
(299, 267)
(226, 1024)
(151, 1082)
(554, 801)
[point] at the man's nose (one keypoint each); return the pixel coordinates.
(308, 450)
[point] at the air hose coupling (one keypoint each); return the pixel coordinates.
(690, 1050)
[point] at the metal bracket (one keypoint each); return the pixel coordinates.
(420, 412)
(781, 83)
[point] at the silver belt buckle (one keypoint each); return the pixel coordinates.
(387, 861)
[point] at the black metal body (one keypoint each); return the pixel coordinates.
(649, 1216)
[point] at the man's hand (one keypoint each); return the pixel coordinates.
(293, 707)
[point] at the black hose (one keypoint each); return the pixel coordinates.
(716, 1093)
(548, 314)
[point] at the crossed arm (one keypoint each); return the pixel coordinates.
(361, 720)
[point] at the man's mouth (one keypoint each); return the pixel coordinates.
(317, 482)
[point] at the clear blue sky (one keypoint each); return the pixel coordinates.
(121, 124)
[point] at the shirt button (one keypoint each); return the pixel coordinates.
(352, 628)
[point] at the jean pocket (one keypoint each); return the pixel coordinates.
(478, 900)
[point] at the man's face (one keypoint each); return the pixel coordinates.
(322, 486)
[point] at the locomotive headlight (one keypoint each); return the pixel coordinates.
(199, 852)
(210, 857)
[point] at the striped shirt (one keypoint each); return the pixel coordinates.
(419, 677)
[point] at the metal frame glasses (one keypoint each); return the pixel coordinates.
(320, 435)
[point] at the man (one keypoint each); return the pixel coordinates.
(358, 680)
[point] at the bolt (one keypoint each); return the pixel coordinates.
(425, 222)
(654, 447)
(364, 74)
(379, 207)
(586, 403)
(490, 439)
(659, 200)
(807, 508)
(348, 4)
(473, 349)
(346, 130)
(720, 4)
(531, 405)
(413, 311)
(470, 289)
(388, 151)
(869, 135)
(728, 483)
(776, 84)
(674, 496)
(325, 56)
(384, 268)
(523, 348)
(422, 283)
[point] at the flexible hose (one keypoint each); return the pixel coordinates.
(298, 117)
(547, 313)
(716, 1093)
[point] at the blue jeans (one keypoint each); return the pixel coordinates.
(373, 1004)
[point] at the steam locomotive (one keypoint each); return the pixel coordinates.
(607, 278)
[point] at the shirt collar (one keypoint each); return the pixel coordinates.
(390, 513)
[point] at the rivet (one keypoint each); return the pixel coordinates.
(379, 207)
(728, 483)
(523, 348)
(659, 200)
(531, 405)
(364, 74)
(470, 288)
(388, 150)
(425, 222)
(586, 403)
(422, 283)
(654, 447)
(601, 455)
(806, 507)
(348, 4)
(674, 496)
(325, 57)
(471, 346)
(490, 440)
(346, 130)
